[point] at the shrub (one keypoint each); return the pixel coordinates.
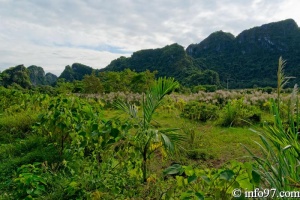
(235, 113)
(199, 154)
(198, 88)
(16, 125)
(210, 88)
(22, 152)
(29, 183)
(199, 111)
(206, 88)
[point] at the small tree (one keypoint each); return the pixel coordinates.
(146, 135)
(92, 84)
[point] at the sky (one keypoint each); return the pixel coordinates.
(56, 33)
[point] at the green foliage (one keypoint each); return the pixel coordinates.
(268, 90)
(278, 162)
(19, 101)
(236, 113)
(207, 77)
(76, 72)
(82, 155)
(198, 88)
(127, 80)
(13, 155)
(147, 139)
(239, 59)
(45, 89)
(17, 125)
(19, 111)
(200, 111)
(282, 80)
(280, 150)
(170, 61)
(66, 116)
(92, 84)
(18, 75)
(29, 183)
(206, 88)
(37, 75)
(212, 183)
(63, 87)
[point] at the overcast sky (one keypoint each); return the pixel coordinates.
(56, 33)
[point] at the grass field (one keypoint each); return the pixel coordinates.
(207, 144)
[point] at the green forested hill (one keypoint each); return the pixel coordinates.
(251, 58)
(76, 72)
(171, 61)
(38, 77)
(26, 77)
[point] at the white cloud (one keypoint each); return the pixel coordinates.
(57, 33)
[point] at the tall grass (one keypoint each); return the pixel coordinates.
(279, 163)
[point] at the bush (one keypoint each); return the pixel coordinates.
(235, 113)
(206, 88)
(16, 125)
(22, 152)
(199, 111)
(210, 88)
(199, 154)
(198, 88)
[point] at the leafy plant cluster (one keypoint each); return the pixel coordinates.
(195, 183)
(200, 111)
(235, 113)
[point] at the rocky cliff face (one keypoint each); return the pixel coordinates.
(216, 42)
(37, 76)
(50, 78)
(16, 75)
(76, 72)
(276, 37)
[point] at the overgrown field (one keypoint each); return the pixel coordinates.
(156, 145)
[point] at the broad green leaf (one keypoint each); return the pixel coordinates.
(256, 177)
(173, 169)
(114, 132)
(206, 179)
(189, 171)
(226, 174)
(187, 195)
(192, 178)
(199, 196)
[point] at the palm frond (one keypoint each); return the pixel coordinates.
(153, 98)
(168, 144)
(130, 109)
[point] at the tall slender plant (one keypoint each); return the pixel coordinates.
(282, 79)
(279, 164)
(147, 136)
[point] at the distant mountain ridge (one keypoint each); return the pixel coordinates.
(76, 72)
(26, 77)
(248, 60)
(171, 61)
(251, 57)
(38, 77)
